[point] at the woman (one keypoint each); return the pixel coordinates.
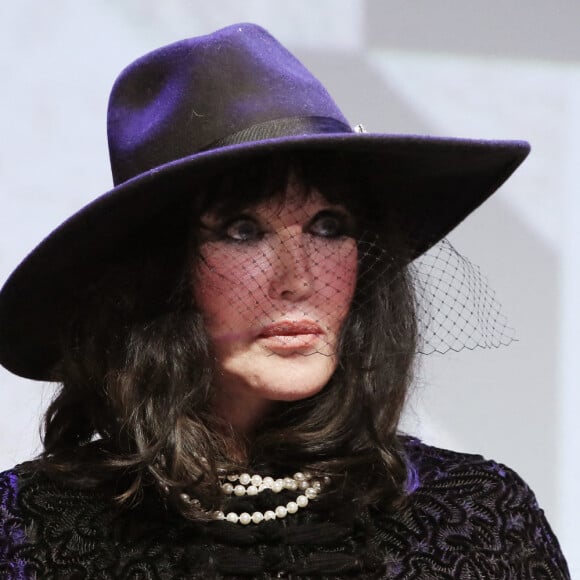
(234, 326)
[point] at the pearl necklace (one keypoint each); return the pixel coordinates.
(254, 484)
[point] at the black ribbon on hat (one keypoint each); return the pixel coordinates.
(286, 127)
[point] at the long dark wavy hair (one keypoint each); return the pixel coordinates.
(134, 412)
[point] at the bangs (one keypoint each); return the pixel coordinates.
(248, 185)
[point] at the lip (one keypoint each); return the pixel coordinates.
(291, 328)
(290, 336)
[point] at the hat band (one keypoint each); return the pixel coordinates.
(286, 127)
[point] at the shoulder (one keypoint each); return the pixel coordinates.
(8, 488)
(10, 485)
(15, 485)
(468, 481)
(28, 492)
(431, 466)
(12, 524)
(9, 518)
(481, 508)
(17, 482)
(50, 527)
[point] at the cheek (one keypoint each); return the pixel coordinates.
(229, 288)
(336, 275)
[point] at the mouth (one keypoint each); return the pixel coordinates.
(290, 328)
(289, 335)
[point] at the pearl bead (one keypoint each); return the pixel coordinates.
(252, 485)
(302, 501)
(257, 517)
(184, 497)
(292, 507)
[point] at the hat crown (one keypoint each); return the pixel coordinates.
(194, 94)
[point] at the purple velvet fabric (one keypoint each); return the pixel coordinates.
(467, 518)
(12, 534)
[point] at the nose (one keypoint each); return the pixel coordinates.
(292, 275)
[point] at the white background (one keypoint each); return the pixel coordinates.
(486, 68)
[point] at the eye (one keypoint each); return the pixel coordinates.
(330, 224)
(242, 229)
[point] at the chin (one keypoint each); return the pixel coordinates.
(287, 389)
(283, 378)
(248, 384)
(299, 378)
(290, 393)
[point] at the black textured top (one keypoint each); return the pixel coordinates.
(467, 518)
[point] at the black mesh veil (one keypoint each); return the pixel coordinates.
(457, 308)
(290, 270)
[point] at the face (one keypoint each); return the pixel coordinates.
(274, 284)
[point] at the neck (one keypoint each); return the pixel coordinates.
(241, 411)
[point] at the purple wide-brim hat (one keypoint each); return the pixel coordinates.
(195, 109)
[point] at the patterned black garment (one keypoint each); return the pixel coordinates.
(468, 518)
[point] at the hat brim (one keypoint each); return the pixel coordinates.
(431, 183)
